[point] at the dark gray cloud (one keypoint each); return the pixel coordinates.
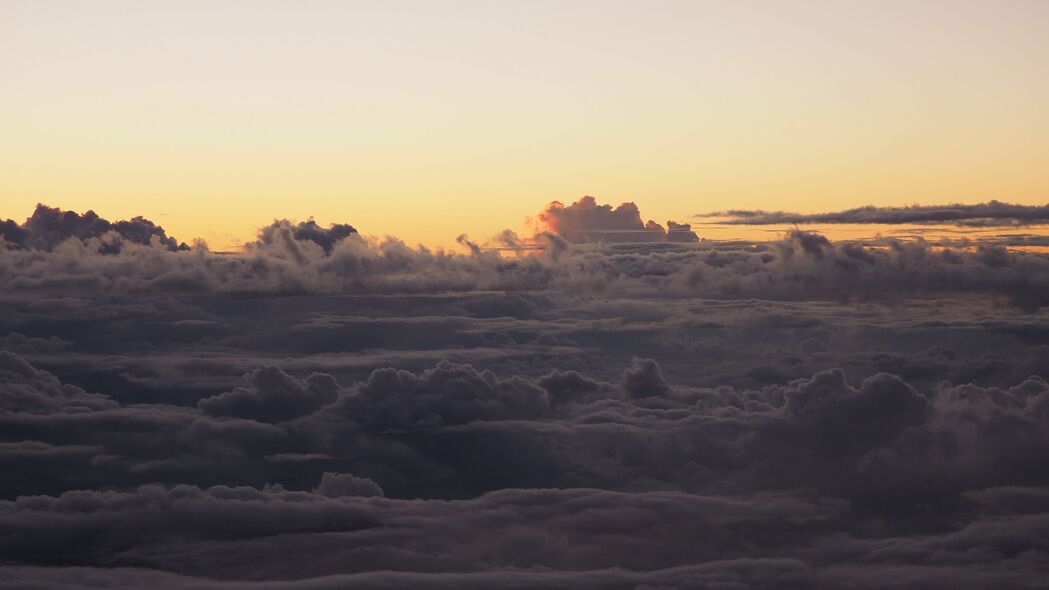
(272, 396)
(447, 395)
(48, 227)
(644, 378)
(288, 233)
(336, 485)
(989, 214)
(38, 392)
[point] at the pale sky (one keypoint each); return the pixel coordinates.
(429, 119)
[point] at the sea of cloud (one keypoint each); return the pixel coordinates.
(580, 408)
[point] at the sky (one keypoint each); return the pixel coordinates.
(430, 119)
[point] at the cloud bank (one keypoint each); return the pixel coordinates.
(305, 259)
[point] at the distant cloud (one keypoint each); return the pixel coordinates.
(306, 231)
(50, 226)
(586, 221)
(327, 410)
(800, 266)
(337, 485)
(990, 214)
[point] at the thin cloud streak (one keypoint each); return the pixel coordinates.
(989, 214)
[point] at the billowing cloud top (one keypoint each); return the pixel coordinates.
(306, 231)
(48, 227)
(992, 213)
(586, 221)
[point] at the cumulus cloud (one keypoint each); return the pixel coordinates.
(287, 233)
(989, 214)
(448, 394)
(586, 221)
(335, 485)
(841, 418)
(25, 389)
(644, 378)
(48, 227)
(680, 232)
(273, 396)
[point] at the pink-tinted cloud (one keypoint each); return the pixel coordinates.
(587, 221)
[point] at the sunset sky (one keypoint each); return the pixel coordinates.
(427, 120)
(541, 294)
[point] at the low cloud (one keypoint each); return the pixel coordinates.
(287, 234)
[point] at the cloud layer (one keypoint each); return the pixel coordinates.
(326, 410)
